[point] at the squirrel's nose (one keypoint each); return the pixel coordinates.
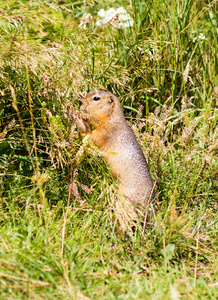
(80, 102)
(82, 107)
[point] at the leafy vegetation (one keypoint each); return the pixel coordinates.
(59, 236)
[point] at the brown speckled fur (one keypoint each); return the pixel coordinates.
(104, 122)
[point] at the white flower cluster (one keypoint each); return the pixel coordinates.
(119, 18)
(200, 37)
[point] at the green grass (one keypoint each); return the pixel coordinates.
(59, 236)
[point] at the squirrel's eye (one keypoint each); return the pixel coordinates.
(96, 98)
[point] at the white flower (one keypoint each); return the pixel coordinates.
(87, 18)
(119, 18)
(127, 24)
(101, 13)
(200, 37)
(121, 10)
(106, 16)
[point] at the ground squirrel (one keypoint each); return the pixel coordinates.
(103, 120)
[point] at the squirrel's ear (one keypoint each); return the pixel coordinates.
(111, 99)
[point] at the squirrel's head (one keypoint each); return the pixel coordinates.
(98, 107)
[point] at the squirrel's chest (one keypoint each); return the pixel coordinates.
(104, 140)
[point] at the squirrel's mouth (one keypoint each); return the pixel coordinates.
(84, 112)
(85, 117)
